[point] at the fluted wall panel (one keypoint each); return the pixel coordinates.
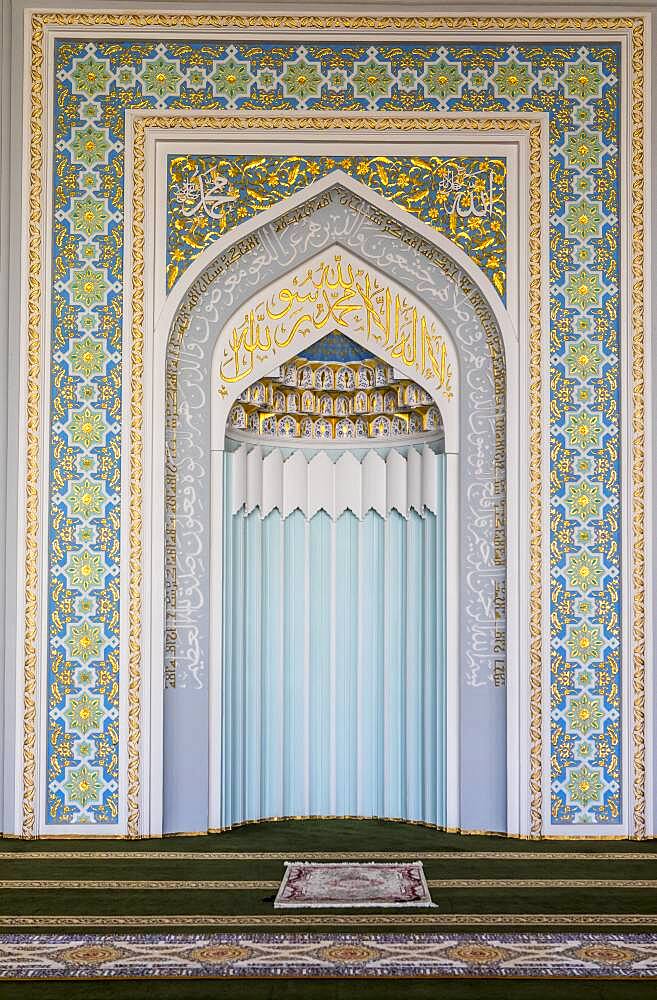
(333, 662)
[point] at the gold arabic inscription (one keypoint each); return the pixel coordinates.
(338, 296)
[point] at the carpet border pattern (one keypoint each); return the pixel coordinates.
(369, 956)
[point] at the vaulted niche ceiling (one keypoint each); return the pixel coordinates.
(336, 390)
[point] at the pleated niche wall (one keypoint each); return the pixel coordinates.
(333, 686)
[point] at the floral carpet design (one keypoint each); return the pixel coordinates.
(346, 884)
(213, 956)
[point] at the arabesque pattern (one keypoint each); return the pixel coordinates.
(96, 82)
(463, 197)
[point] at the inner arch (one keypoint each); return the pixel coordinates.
(338, 291)
(333, 658)
(208, 331)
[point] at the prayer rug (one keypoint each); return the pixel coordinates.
(310, 884)
(361, 956)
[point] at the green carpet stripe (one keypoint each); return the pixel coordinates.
(246, 903)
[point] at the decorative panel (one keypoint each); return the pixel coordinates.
(461, 196)
(96, 81)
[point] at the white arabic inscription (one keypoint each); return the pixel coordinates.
(202, 193)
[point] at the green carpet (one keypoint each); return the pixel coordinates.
(26, 861)
(332, 835)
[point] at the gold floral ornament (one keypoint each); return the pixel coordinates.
(231, 79)
(583, 359)
(88, 357)
(83, 786)
(584, 149)
(583, 290)
(88, 287)
(85, 570)
(91, 76)
(584, 643)
(513, 79)
(584, 572)
(86, 499)
(84, 713)
(583, 219)
(89, 216)
(84, 642)
(160, 77)
(585, 714)
(584, 430)
(443, 79)
(583, 501)
(463, 197)
(584, 80)
(372, 80)
(302, 79)
(585, 786)
(90, 146)
(87, 428)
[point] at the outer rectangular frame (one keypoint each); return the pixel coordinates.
(636, 383)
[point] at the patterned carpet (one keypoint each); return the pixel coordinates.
(361, 956)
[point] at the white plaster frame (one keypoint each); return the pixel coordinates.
(162, 142)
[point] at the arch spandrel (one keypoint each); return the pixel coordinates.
(481, 338)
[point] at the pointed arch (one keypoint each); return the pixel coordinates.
(440, 283)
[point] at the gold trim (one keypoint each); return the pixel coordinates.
(136, 495)
(137, 885)
(535, 498)
(229, 885)
(32, 424)
(638, 430)
(474, 24)
(96, 855)
(303, 920)
(383, 22)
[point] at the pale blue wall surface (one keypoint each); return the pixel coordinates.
(334, 665)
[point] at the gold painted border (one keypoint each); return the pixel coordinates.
(384, 123)
(303, 920)
(475, 24)
(254, 885)
(637, 478)
(95, 856)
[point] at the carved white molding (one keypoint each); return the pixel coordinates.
(267, 482)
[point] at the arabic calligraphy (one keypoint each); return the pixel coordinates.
(345, 297)
(203, 192)
(434, 189)
(473, 198)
